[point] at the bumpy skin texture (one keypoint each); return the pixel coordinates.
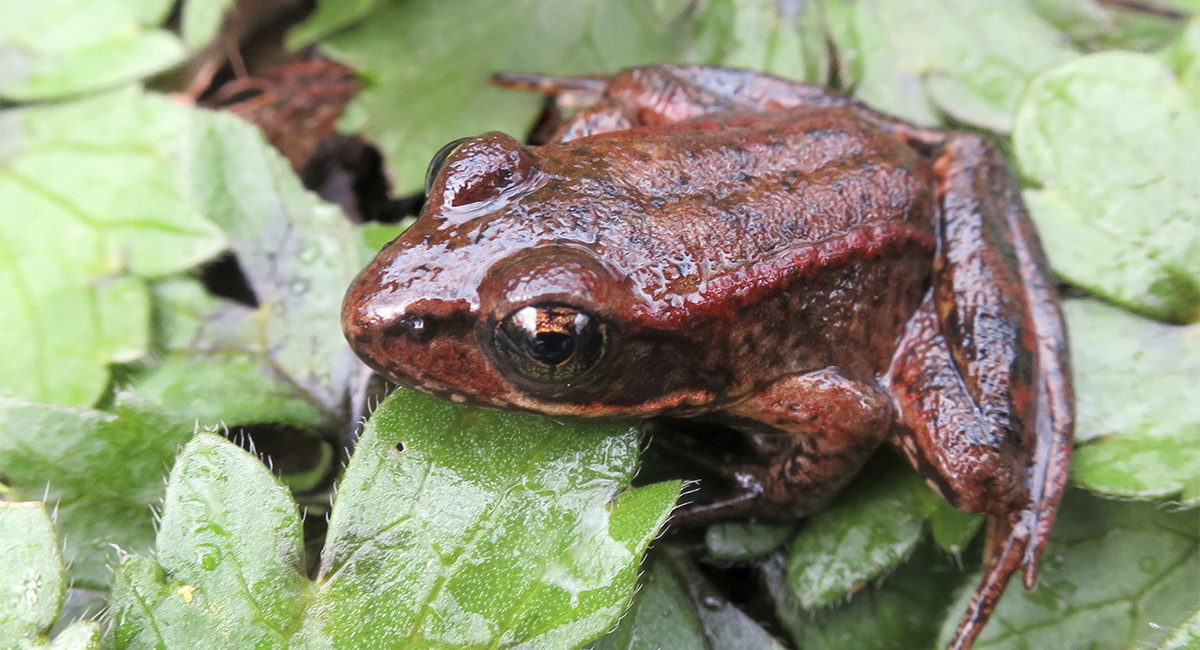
(765, 254)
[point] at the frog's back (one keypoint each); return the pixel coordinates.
(801, 238)
(701, 214)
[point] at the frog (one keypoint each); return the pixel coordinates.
(740, 249)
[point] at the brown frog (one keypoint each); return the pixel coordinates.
(721, 244)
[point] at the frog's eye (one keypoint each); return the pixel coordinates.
(550, 343)
(439, 160)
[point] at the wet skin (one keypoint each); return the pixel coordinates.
(720, 244)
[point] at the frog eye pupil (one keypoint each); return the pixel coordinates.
(552, 348)
(550, 343)
(439, 161)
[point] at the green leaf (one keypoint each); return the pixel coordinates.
(1111, 140)
(474, 529)
(1184, 57)
(745, 540)
(1114, 576)
(92, 193)
(330, 16)
(919, 59)
(1138, 404)
(725, 626)
(229, 569)
(182, 310)
(298, 254)
(784, 39)
(33, 582)
(1187, 637)
(1092, 25)
(57, 48)
(201, 21)
(952, 528)
(900, 610)
(873, 525)
(209, 372)
(429, 64)
(31, 571)
(376, 235)
(662, 616)
(103, 471)
(678, 608)
(229, 390)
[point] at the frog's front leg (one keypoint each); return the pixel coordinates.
(811, 433)
(980, 376)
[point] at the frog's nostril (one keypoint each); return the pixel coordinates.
(415, 328)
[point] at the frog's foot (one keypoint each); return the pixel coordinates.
(746, 481)
(568, 92)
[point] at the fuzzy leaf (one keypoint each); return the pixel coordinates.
(873, 525)
(229, 560)
(481, 529)
(32, 584)
(678, 608)
(900, 610)
(746, 540)
(102, 471)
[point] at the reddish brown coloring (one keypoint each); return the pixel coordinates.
(701, 242)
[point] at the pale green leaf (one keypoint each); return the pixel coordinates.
(201, 20)
(298, 254)
(228, 390)
(1138, 404)
(1094, 25)
(92, 192)
(920, 59)
(1111, 141)
(779, 38)
(55, 48)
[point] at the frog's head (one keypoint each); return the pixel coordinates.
(495, 296)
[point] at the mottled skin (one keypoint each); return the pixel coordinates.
(765, 254)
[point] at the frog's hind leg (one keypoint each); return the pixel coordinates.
(595, 112)
(981, 377)
(666, 94)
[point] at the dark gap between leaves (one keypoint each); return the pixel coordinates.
(224, 278)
